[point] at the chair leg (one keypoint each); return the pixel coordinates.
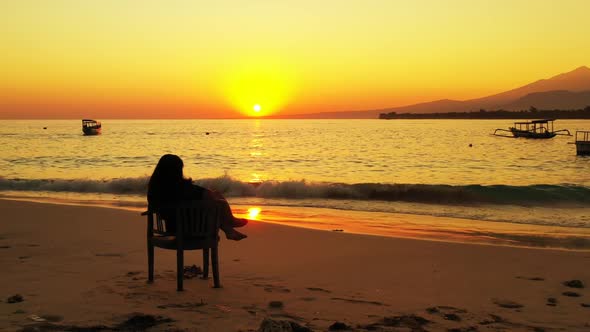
(179, 269)
(150, 250)
(215, 265)
(205, 263)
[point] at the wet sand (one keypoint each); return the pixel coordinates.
(399, 225)
(78, 266)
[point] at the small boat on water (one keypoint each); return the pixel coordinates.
(533, 129)
(91, 127)
(583, 143)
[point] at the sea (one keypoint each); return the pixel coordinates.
(375, 170)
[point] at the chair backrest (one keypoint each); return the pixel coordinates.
(199, 218)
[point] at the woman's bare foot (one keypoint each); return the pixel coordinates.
(239, 222)
(235, 235)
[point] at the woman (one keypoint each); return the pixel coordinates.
(168, 186)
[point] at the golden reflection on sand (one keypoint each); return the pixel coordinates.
(425, 227)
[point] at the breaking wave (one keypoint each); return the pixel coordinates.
(532, 195)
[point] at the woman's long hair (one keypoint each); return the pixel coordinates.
(167, 181)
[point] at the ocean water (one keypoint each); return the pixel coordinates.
(452, 168)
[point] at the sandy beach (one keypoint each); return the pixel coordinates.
(83, 268)
(404, 166)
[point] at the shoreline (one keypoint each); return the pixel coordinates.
(391, 225)
(81, 266)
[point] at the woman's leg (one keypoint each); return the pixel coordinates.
(228, 222)
(229, 218)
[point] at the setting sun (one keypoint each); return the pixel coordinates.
(258, 86)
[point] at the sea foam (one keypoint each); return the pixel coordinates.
(530, 195)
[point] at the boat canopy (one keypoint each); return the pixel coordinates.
(535, 121)
(90, 123)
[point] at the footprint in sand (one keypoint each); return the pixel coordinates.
(317, 289)
(185, 306)
(251, 309)
(463, 329)
(114, 254)
(571, 294)
(133, 273)
(273, 288)
(339, 326)
(501, 324)
(135, 322)
(447, 312)
(412, 322)
(223, 308)
(495, 319)
(276, 304)
(531, 278)
(358, 301)
(283, 315)
(52, 318)
(574, 284)
(15, 299)
(453, 317)
(307, 298)
(507, 304)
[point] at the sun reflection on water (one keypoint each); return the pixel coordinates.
(254, 213)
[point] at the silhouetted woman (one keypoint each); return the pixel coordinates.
(168, 186)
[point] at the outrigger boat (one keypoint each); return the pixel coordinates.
(91, 127)
(533, 129)
(583, 143)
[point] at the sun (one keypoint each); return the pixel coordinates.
(258, 86)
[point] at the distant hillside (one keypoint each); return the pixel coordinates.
(563, 100)
(575, 80)
(531, 113)
(569, 90)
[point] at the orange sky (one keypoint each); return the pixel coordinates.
(204, 59)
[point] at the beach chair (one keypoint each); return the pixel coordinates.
(197, 228)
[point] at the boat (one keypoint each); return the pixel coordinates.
(533, 129)
(583, 143)
(91, 127)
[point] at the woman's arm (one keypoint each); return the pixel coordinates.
(213, 195)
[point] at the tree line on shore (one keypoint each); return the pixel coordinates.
(531, 113)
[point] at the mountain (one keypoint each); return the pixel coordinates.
(569, 90)
(551, 100)
(576, 80)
